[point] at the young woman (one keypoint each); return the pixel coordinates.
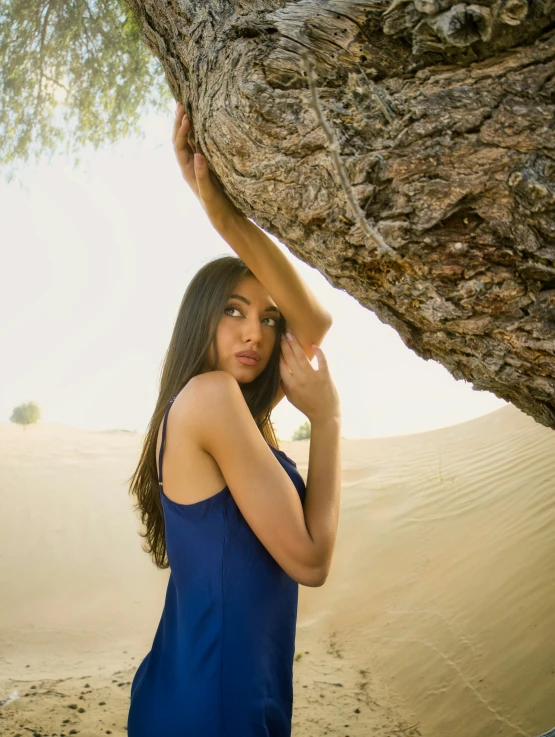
(223, 507)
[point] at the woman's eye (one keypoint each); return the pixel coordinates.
(236, 309)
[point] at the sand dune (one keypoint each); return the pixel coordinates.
(436, 618)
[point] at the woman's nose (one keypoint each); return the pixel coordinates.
(253, 330)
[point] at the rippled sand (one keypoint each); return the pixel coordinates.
(435, 620)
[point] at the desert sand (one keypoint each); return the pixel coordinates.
(435, 621)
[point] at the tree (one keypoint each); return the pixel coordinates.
(302, 432)
(26, 414)
(405, 150)
(73, 73)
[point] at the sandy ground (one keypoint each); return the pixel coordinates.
(436, 619)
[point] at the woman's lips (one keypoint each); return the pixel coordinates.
(247, 361)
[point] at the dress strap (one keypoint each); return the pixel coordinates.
(163, 439)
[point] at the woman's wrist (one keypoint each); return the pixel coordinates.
(229, 222)
(326, 419)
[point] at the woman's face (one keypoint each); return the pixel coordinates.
(250, 322)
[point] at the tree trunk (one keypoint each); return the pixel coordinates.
(405, 150)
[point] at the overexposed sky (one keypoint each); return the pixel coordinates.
(95, 263)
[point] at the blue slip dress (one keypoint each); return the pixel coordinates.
(221, 662)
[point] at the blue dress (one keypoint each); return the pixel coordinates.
(221, 662)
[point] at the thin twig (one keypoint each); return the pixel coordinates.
(41, 55)
(51, 79)
(333, 146)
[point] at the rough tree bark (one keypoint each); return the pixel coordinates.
(417, 172)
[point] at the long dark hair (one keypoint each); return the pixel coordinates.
(195, 329)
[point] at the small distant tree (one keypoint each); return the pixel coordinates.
(26, 414)
(302, 432)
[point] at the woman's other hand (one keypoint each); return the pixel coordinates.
(200, 178)
(311, 391)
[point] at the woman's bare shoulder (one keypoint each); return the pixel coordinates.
(202, 389)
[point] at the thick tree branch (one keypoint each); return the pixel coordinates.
(439, 117)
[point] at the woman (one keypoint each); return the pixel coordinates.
(223, 507)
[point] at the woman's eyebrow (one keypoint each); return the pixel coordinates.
(270, 308)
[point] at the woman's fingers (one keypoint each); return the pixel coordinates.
(181, 135)
(183, 149)
(321, 358)
(178, 120)
(293, 353)
(201, 179)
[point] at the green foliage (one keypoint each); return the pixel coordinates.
(73, 72)
(26, 414)
(302, 432)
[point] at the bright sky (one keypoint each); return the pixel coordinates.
(95, 263)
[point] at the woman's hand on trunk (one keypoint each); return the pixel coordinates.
(204, 183)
